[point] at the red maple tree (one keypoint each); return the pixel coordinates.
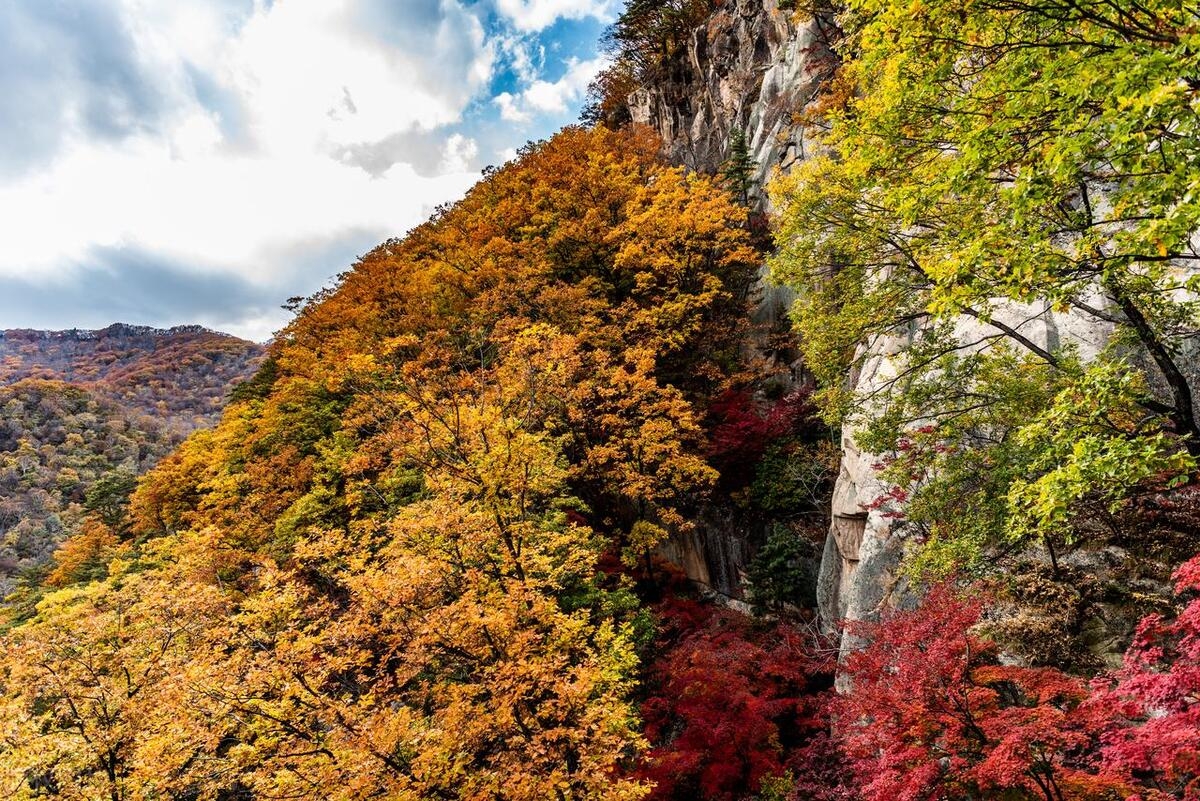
(1155, 700)
(932, 714)
(733, 703)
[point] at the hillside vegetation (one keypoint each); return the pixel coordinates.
(181, 376)
(379, 575)
(57, 441)
(85, 413)
(416, 559)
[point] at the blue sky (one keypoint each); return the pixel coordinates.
(199, 161)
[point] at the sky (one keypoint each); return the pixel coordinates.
(168, 162)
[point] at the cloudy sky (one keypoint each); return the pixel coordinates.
(199, 161)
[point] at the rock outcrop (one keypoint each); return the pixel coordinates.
(755, 66)
(864, 547)
(751, 66)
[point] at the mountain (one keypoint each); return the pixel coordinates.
(57, 440)
(180, 375)
(427, 551)
(770, 75)
(86, 410)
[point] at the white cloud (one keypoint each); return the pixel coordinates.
(317, 79)
(250, 139)
(215, 212)
(510, 108)
(305, 79)
(545, 97)
(458, 154)
(523, 55)
(535, 15)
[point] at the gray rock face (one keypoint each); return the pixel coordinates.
(750, 66)
(858, 575)
(754, 66)
(715, 553)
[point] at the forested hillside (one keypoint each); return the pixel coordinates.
(381, 573)
(181, 376)
(85, 413)
(63, 452)
(422, 554)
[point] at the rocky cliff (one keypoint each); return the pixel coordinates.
(755, 66)
(751, 66)
(864, 546)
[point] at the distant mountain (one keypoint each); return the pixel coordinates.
(58, 441)
(83, 413)
(179, 375)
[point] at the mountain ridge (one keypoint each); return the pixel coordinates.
(181, 374)
(82, 407)
(112, 329)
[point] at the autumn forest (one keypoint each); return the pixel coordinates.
(868, 475)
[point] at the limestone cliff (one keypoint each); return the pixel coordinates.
(754, 66)
(751, 66)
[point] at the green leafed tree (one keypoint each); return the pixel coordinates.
(650, 32)
(996, 175)
(108, 498)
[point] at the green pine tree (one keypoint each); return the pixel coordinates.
(739, 167)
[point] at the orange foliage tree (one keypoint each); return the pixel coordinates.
(387, 551)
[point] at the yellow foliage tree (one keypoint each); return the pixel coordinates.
(378, 577)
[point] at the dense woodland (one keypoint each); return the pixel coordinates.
(85, 413)
(417, 557)
(56, 442)
(181, 376)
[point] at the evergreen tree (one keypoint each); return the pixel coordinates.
(739, 167)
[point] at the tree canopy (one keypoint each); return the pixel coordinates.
(992, 176)
(379, 575)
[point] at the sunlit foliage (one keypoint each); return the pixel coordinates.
(988, 169)
(378, 576)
